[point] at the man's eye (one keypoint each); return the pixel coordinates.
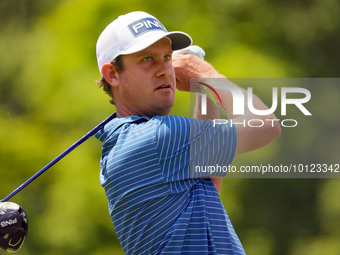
(167, 57)
(148, 59)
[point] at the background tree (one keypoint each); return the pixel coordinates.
(48, 99)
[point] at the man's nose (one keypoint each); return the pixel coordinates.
(164, 68)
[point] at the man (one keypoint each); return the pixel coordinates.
(158, 205)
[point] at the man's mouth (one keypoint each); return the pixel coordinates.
(164, 86)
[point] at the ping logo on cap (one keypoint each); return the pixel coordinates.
(144, 25)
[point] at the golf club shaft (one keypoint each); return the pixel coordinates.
(62, 155)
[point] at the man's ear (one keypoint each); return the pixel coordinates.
(110, 74)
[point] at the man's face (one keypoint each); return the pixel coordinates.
(147, 84)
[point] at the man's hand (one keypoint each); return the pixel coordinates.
(189, 66)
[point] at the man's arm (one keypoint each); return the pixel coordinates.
(185, 69)
(212, 113)
(248, 138)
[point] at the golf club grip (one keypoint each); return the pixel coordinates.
(62, 155)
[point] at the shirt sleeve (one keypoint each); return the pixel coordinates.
(191, 148)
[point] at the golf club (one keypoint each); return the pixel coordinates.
(13, 219)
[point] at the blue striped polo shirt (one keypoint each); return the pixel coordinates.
(161, 200)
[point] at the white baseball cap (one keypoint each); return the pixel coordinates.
(134, 32)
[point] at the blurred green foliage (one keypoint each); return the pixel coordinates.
(49, 99)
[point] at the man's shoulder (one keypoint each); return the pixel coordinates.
(116, 125)
(168, 118)
(171, 122)
(142, 124)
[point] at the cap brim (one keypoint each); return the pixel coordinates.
(179, 40)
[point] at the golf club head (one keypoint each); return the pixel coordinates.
(13, 226)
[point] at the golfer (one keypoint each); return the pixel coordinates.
(157, 204)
